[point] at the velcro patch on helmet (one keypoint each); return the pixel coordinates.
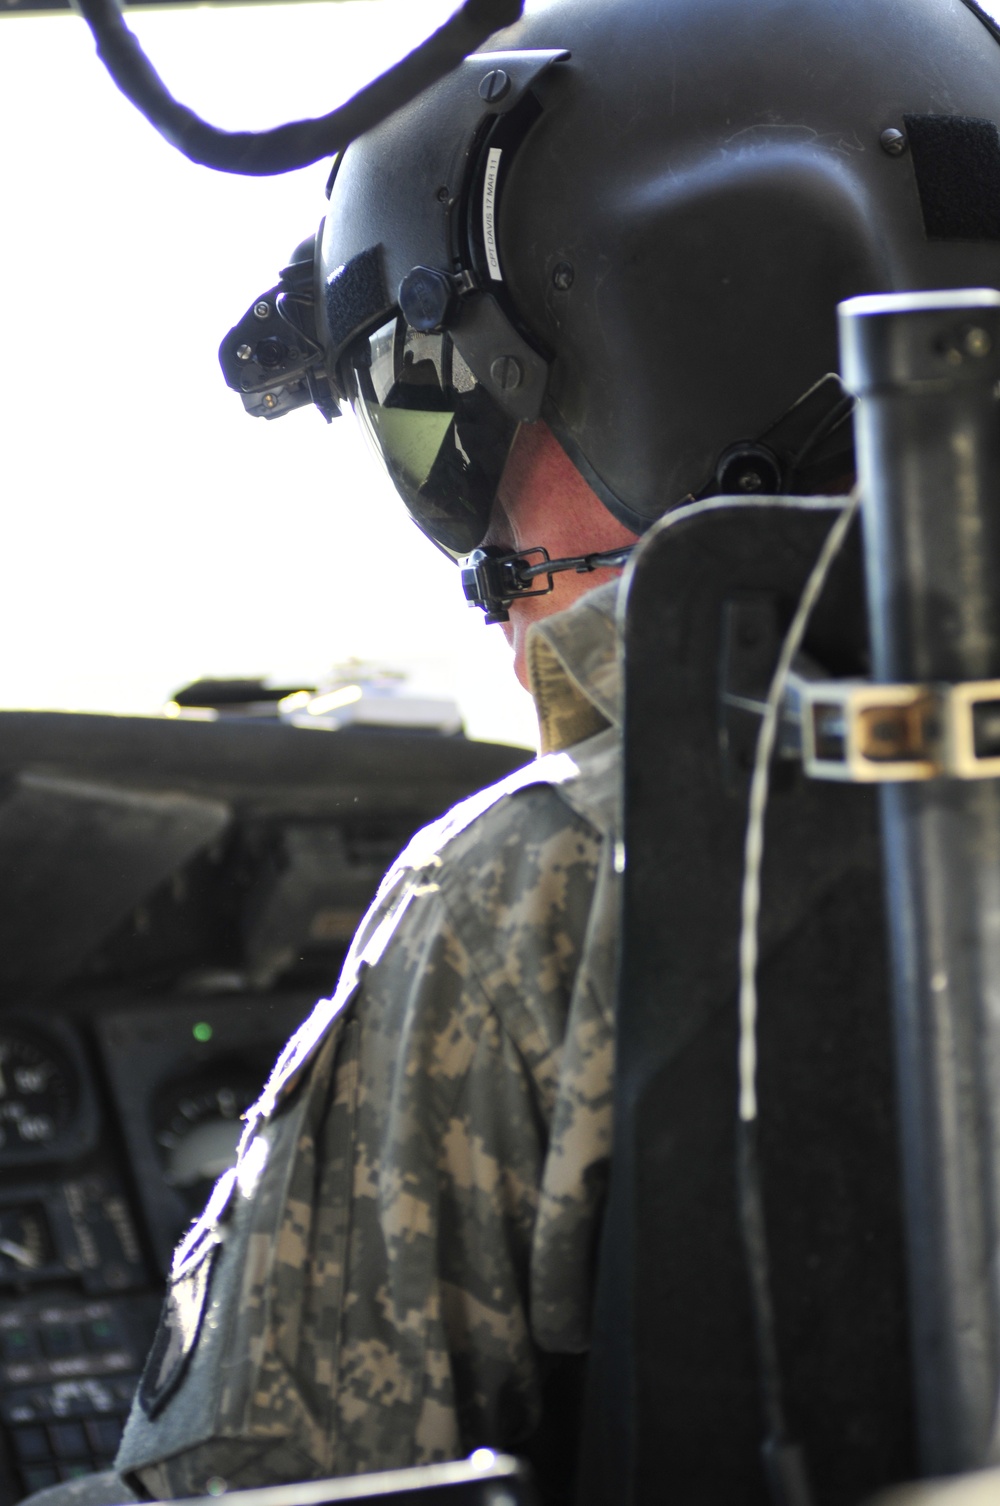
(356, 295)
(956, 160)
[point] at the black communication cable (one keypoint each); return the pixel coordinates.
(583, 564)
(300, 142)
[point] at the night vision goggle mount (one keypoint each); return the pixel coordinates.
(273, 357)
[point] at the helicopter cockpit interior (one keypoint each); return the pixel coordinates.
(225, 707)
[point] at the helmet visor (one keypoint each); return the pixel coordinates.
(438, 432)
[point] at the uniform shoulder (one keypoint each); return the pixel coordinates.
(487, 809)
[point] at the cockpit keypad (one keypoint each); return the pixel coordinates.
(68, 1370)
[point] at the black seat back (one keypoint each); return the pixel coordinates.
(674, 1406)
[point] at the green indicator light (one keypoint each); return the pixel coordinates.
(202, 1031)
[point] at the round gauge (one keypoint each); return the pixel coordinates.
(198, 1128)
(25, 1242)
(38, 1091)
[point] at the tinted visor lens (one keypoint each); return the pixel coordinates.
(440, 435)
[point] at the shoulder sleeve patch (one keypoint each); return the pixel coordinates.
(372, 938)
(184, 1305)
(291, 1066)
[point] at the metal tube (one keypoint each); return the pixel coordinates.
(926, 368)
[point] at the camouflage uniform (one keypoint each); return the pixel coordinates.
(408, 1235)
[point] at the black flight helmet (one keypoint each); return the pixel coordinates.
(634, 219)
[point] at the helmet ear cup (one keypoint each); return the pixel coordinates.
(749, 469)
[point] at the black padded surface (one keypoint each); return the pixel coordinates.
(957, 165)
(674, 1405)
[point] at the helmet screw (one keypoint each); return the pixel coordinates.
(426, 299)
(748, 468)
(972, 340)
(494, 86)
(443, 194)
(243, 352)
(262, 309)
(562, 276)
(506, 373)
(977, 342)
(893, 142)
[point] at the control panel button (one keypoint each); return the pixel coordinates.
(31, 1445)
(59, 1339)
(69, 1440)
(21, 1406)
(104, 1435)
(79, 1398)
(17, 1344)
(40, 1477)
(101, 1333)
(75, 1471)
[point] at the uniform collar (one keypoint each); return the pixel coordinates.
(574, 666)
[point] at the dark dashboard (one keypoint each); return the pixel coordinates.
(174, 897)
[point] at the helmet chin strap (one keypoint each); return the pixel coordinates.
(813, 427)
(492, 579)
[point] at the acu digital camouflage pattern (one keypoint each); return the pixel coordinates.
(414, 1215)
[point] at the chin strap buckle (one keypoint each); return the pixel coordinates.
(492, 579)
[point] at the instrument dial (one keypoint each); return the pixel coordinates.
(38, 1093)
(198, 1130)
(25, 1241)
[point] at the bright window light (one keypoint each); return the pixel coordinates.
(153, 533)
